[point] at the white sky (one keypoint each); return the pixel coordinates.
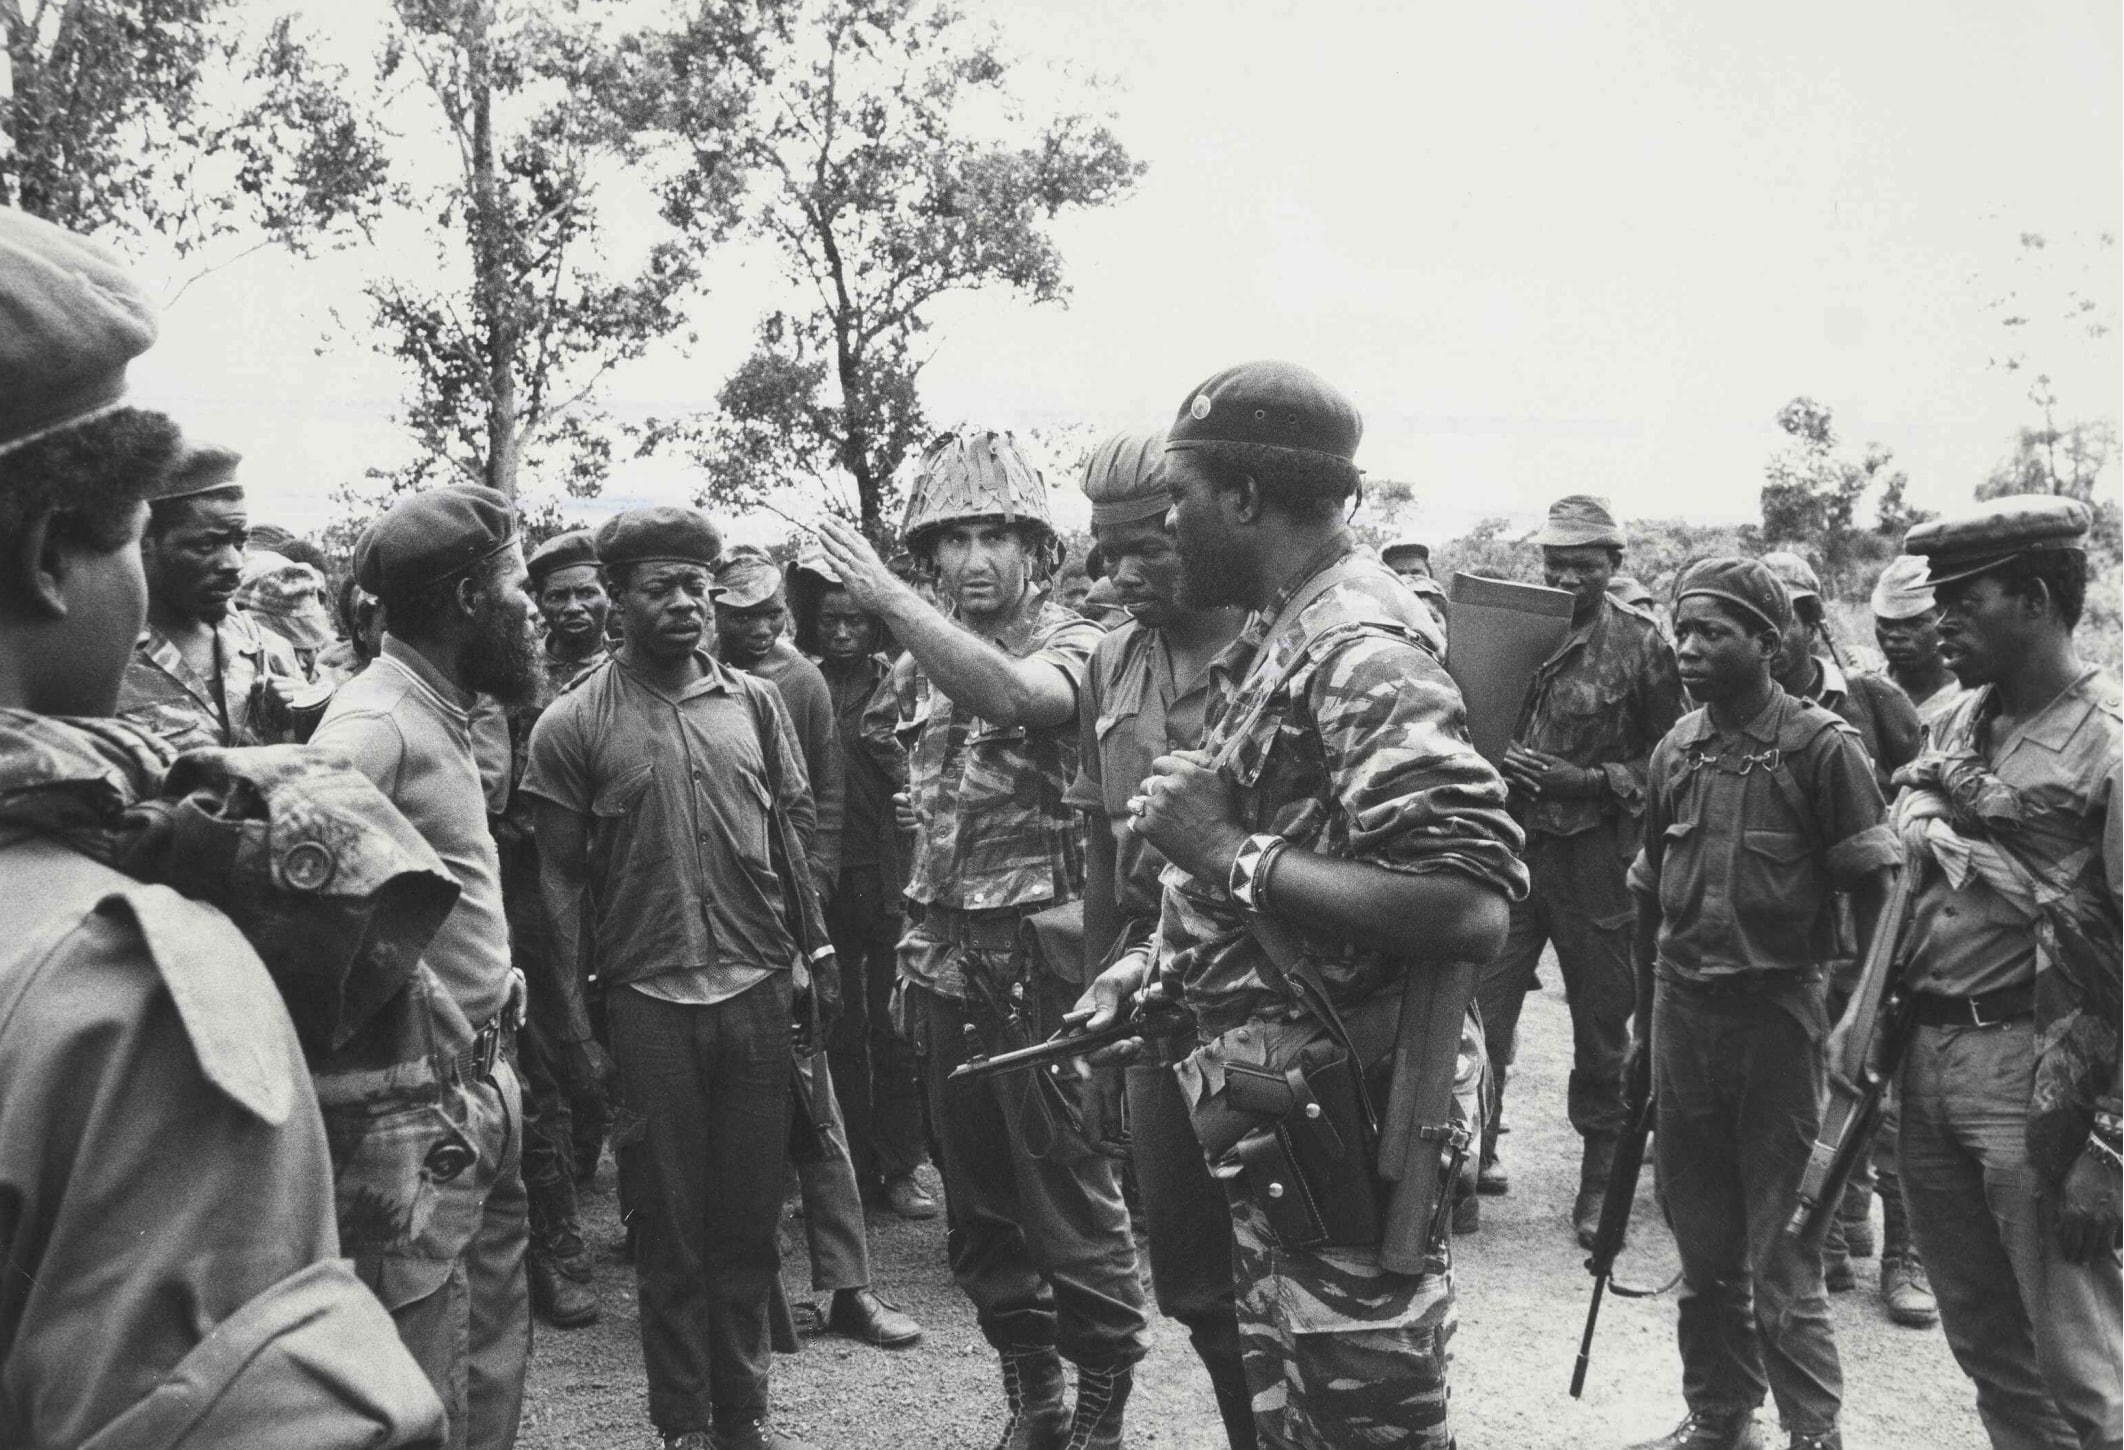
(1547, 248)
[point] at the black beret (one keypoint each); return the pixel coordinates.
(1272, 405)
(428, 537)
(70, 320)
(201, 468)
(1996, 533)
(1746, 584)
(562, 551)
(639, 536)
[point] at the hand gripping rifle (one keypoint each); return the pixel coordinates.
(1878, 1030)
(1152, 1019)
(1615, 1205)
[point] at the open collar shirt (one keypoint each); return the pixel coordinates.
(168, 698)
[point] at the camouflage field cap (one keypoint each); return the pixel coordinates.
(1121, 478)
(1902, 591)
(1268, 404)
(1579, 520)
(974, 474)
(1795, 573)
(1746, 584)
(1996, 533)
(745, 580)
(563, 551)
(71, 318)
(286, 597)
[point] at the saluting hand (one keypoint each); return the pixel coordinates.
(868, 581)
(1190, 813)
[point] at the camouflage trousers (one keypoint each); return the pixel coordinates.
(1340, 1353)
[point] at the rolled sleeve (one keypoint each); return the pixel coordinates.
(1853, 859)
(558, 770)
(1856, 837)
(1069, 649)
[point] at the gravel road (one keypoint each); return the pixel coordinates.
(1523, 1297)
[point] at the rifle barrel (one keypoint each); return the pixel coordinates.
(1585, 1342)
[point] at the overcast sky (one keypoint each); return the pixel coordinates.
(1547, 248)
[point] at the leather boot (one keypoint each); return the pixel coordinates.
(1709, 1430)
(559, 1297)
(1102, 1394)
(1837, 1276)
(1906, 1291)
(1490, 1175)
(1856, 1215)
(1594, 1166)
(1032, 1389)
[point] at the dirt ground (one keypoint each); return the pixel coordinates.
(1523, 1292)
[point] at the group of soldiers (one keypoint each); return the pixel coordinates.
(333, 956)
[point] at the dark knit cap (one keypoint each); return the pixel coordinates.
(562, 551)
(429, 537)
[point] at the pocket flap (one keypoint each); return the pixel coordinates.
(619, 794)
(1777, 845)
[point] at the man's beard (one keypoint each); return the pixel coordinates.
(1211, 571)
(501, 660)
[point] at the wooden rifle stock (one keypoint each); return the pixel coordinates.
(1871, 1048)
(1616, 1203)
(1420, 1146)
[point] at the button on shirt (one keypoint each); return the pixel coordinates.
(409, 730)
(1748, 836)
(682, 879)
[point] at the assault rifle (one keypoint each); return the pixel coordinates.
(1152, 1019)
(1615, 1206)
(1879, 1031)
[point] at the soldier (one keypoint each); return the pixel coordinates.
(1411, 559)
(750, 611)
(1759, 808)
(450, 573)
(1877, 708)
(286, 597)
(873, 1066)
(1335, 800)
(204, 673)
(1593, 712)
(1906, 625)
(1145, 696)
(1039, 1237)
(674, 824)
(1632, 591)
(2010, 1139)
(570, 595)
(172, 1261)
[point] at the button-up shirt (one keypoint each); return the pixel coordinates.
(168, 698)
(1601, 702)
(1748, 836)
(678, 791)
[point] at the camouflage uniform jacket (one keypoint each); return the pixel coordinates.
(1602, 701)
(1345, 735)
(168, 698)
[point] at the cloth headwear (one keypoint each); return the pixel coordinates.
(1901, 592)
(1996, 533)
(1795, 573)
(658, 535)
(1412, 547)
(429, 537)
(1121, 479)
(562, 551)
(1747, 584)
(287, 597)
(70, 320)
(1579, 520)
(1631, 591)
(201, 468)
(1272, 405)
(743, 580)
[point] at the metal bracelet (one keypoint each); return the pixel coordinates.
(2105, 1151)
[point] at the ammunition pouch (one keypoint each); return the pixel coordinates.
(1309, 1168)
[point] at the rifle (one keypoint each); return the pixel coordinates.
(1152, 1019)
(1880, 1030)
(1615, 1205)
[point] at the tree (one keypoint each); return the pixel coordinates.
(1810, 503)
(510, 338)
(896, 166)
(2069, 460)
(169, 116)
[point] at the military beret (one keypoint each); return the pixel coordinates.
(200, 468)
(1996, 533)
(1121, 478)
(562, 551)
(1795, 573)
(1746, 584)
(1400, 547)
(1577, 521)
(70, 320)
(1901, 592)
(641, 536)
(426, 538)
(743, 580)
(1271, 405)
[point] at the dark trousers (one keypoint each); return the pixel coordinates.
(1036, 1231)
(1580, 902)
(549, 1149)
(702, 1132)
(874, 1072)
(1739, 1082)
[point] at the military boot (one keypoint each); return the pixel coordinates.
(1032, 1390)
(1490, 1175)
(1101, 1396)
(1831, 1439)
(1837, 1275)
(1709, 1430)
(560, 1289)
(1594, 1167)
(1856, 1215)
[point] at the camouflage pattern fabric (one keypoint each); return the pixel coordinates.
(1602, 701)
(168, 698)
(992, 829)
(1346, 736)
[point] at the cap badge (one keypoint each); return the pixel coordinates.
(1200, 408)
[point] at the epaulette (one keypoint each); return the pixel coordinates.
(577, 680)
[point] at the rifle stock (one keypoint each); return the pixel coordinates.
(1616, 1203)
